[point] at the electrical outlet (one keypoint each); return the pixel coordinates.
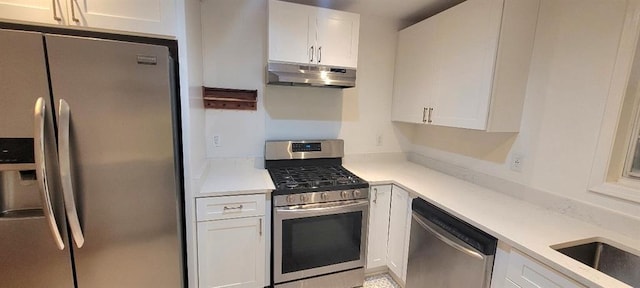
(217, 141)
(379, 140)
(517, 161)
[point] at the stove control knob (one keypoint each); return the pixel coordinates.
(324, 196)
(356, 193)
(345, 194)
(290, 199)
(304, 198)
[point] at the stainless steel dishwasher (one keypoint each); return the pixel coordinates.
(446, 252)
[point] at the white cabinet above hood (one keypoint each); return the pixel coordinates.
(314, 37)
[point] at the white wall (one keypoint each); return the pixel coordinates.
(235, 55)
(189, 38)
(575, 49)
(190, 59)
(196, 106)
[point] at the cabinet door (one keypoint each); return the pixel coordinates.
(380, 201)
(509, 284)
(143, 16)
(289, 32)
(337, 35)
(40, 11)
(416, 72)
(231, 253)
(467, 45)
(397, 252)
(528, 273)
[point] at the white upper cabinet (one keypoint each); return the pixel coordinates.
(143, 16)
(467, 67)
(40, 11)
(139, 16)
(289, 26)
(306, 34)
(415, 81)
(467, 38)
(337, 38)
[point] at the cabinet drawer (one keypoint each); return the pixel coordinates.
(528, 273)
(227, 207)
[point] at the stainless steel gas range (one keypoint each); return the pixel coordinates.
(320, 212)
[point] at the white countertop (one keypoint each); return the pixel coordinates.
(524, 226)
(235, 176)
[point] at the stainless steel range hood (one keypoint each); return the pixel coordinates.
(310, 75)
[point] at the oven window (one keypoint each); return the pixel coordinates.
(320, 241)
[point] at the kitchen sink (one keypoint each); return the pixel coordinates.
(604, 257)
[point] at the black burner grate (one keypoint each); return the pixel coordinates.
(312, 177)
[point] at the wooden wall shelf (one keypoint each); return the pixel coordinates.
(230, 99)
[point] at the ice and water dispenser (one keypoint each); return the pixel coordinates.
(19, 192)
(20, 195)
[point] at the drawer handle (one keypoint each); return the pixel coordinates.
(232, 208)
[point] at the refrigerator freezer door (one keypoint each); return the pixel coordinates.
(122, 160)
(29, 257)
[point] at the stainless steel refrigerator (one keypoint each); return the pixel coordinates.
(89, 181)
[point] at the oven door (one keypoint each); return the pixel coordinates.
(316, 239)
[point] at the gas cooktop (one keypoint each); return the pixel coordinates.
(300, 179)
(309, 166)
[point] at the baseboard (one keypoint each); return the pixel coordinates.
(376, 271)
(397, 279)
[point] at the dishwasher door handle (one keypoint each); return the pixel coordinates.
(447, 239)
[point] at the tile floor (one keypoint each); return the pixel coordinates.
(380, 281)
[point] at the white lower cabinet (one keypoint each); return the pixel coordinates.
(528, 273)
(231, 249)
(389, 228)
(399, 229)
(379, 204)
(514, 269)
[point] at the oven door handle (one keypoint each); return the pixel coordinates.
(316, 209)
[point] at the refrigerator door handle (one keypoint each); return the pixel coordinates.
(64, 159)
(41, 171)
